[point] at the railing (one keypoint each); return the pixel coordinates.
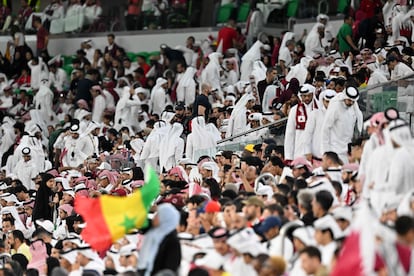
(398, 94)
(227, 144)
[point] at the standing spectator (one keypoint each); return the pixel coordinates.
(43, 207)
(344, 37)
(42, 36)
(341, 118)
(254, 24)
(313, 42)
(133, 18)
(24, 13)
(228, 35)
(398, 69)
(202, 106)
(112, 46)
(5, 17)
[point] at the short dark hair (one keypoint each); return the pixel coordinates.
(333, 156)
(312, 252)
(276, 161)
(404, 224)
(10, 219)
(17, 234)
(36, 19)
(325, 199)
(111, 35)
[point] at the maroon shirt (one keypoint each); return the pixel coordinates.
(41, 35)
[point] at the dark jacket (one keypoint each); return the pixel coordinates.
(169, 254)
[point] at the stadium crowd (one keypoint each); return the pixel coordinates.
(329, 193)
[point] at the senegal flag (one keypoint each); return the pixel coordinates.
(108, 218)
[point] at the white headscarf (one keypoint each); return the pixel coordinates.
(169, 219)
(238, 110)
(203, 139)
(249, 57)
(168, 144)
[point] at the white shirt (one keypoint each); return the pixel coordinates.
(58, 79)
(275, 248)
(400, 70)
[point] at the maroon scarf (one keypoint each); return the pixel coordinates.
(301, 116)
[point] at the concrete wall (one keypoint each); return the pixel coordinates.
(133, 42)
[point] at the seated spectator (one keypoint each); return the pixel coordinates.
(92, 12)
(74, 16)
(5, 17)
(24, 13)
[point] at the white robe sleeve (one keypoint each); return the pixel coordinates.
(189, 147)
(328, 123)
(307, 137)
(179, 150)
(98, 109)
(290, 134)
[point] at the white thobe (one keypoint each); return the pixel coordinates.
(74, 152)
(58, 79)
(377, 77)
(400, 70)
(99, 104)
(281, 247)
(43, 102)
(284, 55)
(312, 137)
(293, 137)
(327, 252)
(401, 173)
(338, 128)
(26, 171)
(313, 45)
(159, 100)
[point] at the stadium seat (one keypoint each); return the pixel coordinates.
(224, 13)
(243, 12)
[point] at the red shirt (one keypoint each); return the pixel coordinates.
(41, 35)
(227, 34)
(145, 67)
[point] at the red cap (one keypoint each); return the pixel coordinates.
(212, 207)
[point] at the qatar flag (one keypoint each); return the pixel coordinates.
(357, 256)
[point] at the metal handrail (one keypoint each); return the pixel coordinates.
(278, 123)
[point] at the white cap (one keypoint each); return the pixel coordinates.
(8, 197)
(328, 222)
(46, 225)
(351, 93)
(329, 94)
(255, 117)
(342, 212)
(69, 255)
(307, 88)
(212, 260)
(305, 235)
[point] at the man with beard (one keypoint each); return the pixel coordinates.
(313, 45)
(298, 116)
(181, 117)
(342, 116)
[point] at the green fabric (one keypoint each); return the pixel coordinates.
(342, 5)
(131, 56)
(243, 12)
(292, 8)
(224, 13)
(343, 32)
